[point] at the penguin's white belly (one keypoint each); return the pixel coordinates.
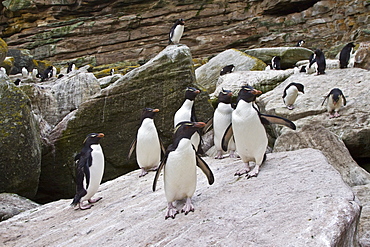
(249, 133)
(180, 176)
(183, 113)
(96, 172)
(148, 150)
(177, 33)
(221, 120)
(291, 95)
(334, 107)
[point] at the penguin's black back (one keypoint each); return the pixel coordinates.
(345, 55)
(227, 69)
(320, 60)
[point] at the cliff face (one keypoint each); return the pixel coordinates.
(117, 30)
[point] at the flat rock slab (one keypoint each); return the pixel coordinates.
(298, 199)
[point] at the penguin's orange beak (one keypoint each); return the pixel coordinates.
(156, 110)
(100, 135)
(256, 92)
(197, 91)
(199, 124)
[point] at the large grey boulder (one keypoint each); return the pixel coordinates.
(20, 145)
(160, 83)
(208, 74)
(298, 199)
(362, 56)
(262, 80)
(289, 55)
(353, 126)
(12, 204)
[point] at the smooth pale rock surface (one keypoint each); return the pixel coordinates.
(13, 204)
(289, 55)
(298, 199)
(208, 74)
(353, 126)
(262, 80)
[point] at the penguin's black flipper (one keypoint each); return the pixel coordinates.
(344, 100)
(325, 99)
(159, 169)
(208, 126)
(227, 136)
(163, 149)
(205, 168)
(132, 148)
(82, 169)
(270, 119)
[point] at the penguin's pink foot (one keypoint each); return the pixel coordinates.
(331, 115)
(219, 155)
(336, 114)
(95, 200)
(244, 170)
(83, 207)
(143, 173)
(233, 155)
(254, 172)
(290, 107)
(188, 207)
(171, 211)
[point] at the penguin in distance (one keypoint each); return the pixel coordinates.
(221, 121)
(176, 32)
(147, 143)
(320, 60)
(345, 55)
(89, 171)
(227, 69)
(179, 164)
(291, 93)
(187, 113)
(300, 43)
(336, 100)
(248, 130)
(24, 72)
(275, 63)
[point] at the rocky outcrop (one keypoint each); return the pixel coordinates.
(160, 83)
(289, 55)
(20, 152)
(298, 188)
(3, 50)
(362, 56)
(12, 204)
(116, 30)
(208, 74)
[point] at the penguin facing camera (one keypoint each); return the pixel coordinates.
(176, 32)
(71, 67)
(24, 72)
(248, 131)
(291, 93)
(179, 164)
(336, 100)
(227, 69)
(345, 55)
(300, 43)
(147, 143)
(220, 121)
(187, 113)
(89, 171)
(275, 63)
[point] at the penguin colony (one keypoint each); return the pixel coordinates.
(238, 129)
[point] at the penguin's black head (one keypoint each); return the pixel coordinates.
(318, 52)
(191, 93)
(248, 93)
(336, 94)
(180, 21)
(186, 129)
(225, 96)
(299, 86)
(148, 113)
(93, 138)
(351, 44)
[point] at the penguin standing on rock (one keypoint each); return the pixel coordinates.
(291, 93)
(24, 72)
(221, 120)
(345, 55)
(319, 58)
(187, 113)
(89, 171)
(179, 163)
(147, 143)
(275, 63)
(248, 130)
(336, 100)
(300, 43)
(176, 32)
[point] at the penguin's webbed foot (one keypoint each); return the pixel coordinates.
(219, 155)
(143, 173)
(253, 173)
(336, 114)
(95, 200)
(331, 115)
(290, 107)
(233, 155)
(244, 170)
(84, 207)
(188, 207)
(171, 211)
